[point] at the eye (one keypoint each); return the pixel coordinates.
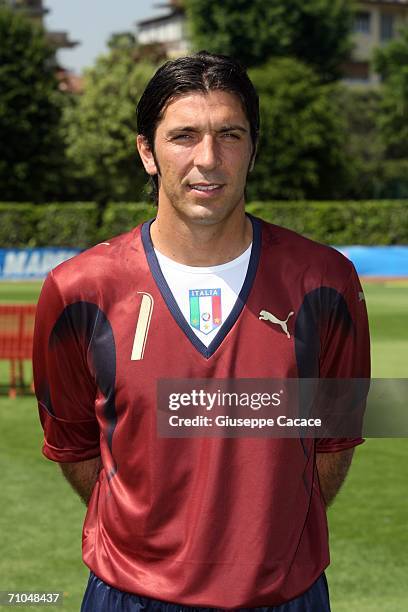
(230, 136)
(181, 137)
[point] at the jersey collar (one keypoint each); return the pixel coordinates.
(172, 304)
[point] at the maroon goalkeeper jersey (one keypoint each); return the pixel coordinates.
(219, 522)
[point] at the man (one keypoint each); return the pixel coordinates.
(202, 291)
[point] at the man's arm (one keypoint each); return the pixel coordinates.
(82, 476)
(332, 469)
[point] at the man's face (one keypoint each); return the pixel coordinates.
(202, 152)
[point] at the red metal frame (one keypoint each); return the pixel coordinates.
(16, 340)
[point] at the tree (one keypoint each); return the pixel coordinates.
(302, 142)
(31, 150)
(391, 62)
(360, 107)
(316, 32)
(122, 40)
(100, 128)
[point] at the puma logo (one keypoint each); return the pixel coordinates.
(264, 315)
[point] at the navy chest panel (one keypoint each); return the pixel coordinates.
(85, 326)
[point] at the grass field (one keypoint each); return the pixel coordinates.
(41, 519)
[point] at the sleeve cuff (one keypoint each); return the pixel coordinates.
(336, 446)
(70, 455)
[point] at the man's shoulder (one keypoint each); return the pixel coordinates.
(100, 264)
(303, 253)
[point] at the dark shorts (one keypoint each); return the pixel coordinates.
(100, 597)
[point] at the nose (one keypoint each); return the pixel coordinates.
(206, 154)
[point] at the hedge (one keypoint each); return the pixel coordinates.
(376, 222)
(17, 224)
(35, 225)
(122, 216)
(67, 224)
(80, 225)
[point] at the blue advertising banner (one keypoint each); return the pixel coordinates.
(378, 260)
(26, 264)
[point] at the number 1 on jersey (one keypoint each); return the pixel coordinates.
(142, 327)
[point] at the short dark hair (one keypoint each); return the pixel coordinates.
(202, 72)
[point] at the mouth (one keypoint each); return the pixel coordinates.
(206, 189)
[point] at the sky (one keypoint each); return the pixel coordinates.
(91, 22)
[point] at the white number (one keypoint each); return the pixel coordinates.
(142, 327)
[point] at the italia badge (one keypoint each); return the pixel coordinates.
(205, 309)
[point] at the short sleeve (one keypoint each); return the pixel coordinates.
(64, 385)
(346, 349)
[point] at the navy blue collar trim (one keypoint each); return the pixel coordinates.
(172, 304)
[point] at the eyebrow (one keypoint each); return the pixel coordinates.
(232, 128)
(224, 128)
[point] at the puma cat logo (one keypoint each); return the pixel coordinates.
(264, 315)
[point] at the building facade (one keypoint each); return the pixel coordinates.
(375, 24)
(169, 30)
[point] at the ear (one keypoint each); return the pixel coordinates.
(146, 155)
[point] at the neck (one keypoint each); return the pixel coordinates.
(194, 244)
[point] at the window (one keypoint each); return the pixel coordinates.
(386, 27)
(362, 23)
(357, 72)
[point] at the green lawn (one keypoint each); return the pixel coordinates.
(369, 532)
(388, 312)
(41, 519)
(18, 292)
(369, 520)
